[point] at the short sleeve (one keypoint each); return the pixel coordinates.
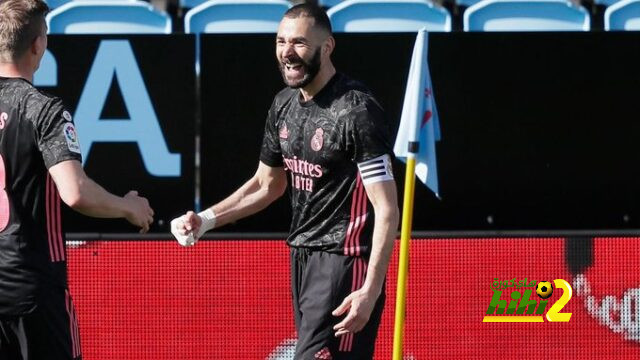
(271, 153)
(368, 133)
(57, 137)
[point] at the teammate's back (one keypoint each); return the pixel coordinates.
(40, 166)
(35, 134)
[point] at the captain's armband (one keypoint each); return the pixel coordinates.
(376, 169)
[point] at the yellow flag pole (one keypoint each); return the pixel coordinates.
(403, 267)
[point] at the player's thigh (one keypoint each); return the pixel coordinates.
(321, 291)
(328, 280)
(51, 332)
(361, 345)
(9, 342)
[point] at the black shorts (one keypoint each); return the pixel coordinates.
(50, 332)
(320, 281)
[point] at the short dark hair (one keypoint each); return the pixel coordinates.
(309, 9)
(21, 21)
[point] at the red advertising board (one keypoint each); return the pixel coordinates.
(231, 300)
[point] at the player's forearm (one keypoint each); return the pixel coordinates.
(249, 199)
(83, 194)
(384, 234)
(93, 200)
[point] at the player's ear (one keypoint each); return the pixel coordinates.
(38, 45)
(328, 45)
(33, 49)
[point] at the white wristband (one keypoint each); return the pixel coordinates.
(208, 218)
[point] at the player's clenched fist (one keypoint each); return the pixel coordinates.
(188, 228)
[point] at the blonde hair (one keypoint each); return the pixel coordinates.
(21, 22)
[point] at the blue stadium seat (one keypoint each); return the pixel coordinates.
(605, 3)
(53, 4)
(236, 16)
(467, 3)
(108, 17)
(388, 16)
(329, 3)
(526, 15)
(623, 15)
(56, 3)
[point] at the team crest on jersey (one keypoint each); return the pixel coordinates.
(66, 115)
(284, 132)
(3, 120)
(72, 138)
(317, 140)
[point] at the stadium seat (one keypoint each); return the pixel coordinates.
(236, 16)
(466, 3)
(329, 3)
(388, 16)
(53, 4)
(108, 17)
(623, 15)
(605, 2)
(526, 15)
(56, 3)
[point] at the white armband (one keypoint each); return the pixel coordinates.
(376, 170)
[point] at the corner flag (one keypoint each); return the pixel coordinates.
(419, 122)
(416, 145)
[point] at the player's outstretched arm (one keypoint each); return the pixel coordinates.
(267, 185)
(87, 197)
(360, 303)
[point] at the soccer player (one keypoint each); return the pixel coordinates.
(40, 164)
(327, 140)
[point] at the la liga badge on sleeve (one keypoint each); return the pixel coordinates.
(72, 138)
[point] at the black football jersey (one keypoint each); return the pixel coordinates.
(36, 132)
(319, 143)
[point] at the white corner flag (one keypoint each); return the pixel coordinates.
(419, 122)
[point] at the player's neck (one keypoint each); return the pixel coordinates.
(324, 75)
(12, 70)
